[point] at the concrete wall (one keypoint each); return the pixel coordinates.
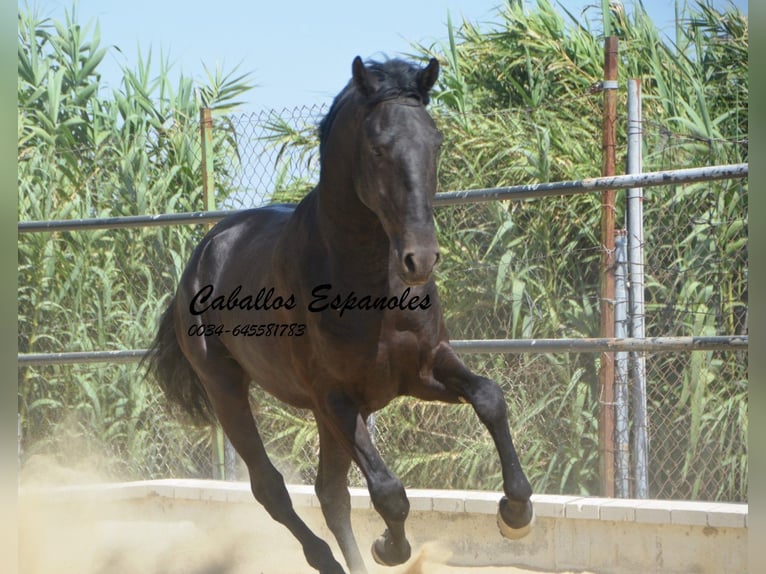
(571, 533)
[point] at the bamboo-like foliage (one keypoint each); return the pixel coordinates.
(85, 152)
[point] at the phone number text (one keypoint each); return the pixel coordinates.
(247, 330)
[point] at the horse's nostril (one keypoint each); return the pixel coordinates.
(409, 262)
(436, 260)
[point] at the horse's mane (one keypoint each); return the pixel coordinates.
(396, 78)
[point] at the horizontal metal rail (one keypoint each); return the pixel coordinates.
(123, 222)
(81, 357)
(516, 192)
(654, 345)
(649, 179)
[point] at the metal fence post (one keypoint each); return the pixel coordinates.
(208, 171)
(621, 395)
(635, 222)
(606, 371)
(224, 457)
(208, 199)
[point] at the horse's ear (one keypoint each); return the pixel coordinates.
(361, 77)
(427, 76)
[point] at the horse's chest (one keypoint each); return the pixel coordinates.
(377, 371)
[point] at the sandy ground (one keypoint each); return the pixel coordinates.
(54, 542)
(85, 539)
(144, 548)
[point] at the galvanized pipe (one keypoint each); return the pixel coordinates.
(511, 346)
(621, 394)
(516, 192)
(81, 357)
(598, 345)
(649, 179)
(635, 229)
(129, 221)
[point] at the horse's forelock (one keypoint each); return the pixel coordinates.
(396, 78)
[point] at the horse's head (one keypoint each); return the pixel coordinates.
(393, 159)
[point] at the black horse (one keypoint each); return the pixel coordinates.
(330, 305)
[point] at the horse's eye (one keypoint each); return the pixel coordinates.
(377, 151)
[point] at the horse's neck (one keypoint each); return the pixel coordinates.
(357, 246)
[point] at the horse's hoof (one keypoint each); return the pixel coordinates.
(386, 554)
(515, 523)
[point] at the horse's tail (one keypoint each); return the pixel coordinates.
(175, 375)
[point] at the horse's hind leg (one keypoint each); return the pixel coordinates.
(229, 397)
(343, 418)
(333, 495)
(515, 513)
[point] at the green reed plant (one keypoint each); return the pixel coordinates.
(85, 153)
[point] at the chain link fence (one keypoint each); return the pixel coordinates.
(492, 286)
(696, 283)
(276, 156)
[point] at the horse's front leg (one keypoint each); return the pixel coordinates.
(342, 417)
(515, 513)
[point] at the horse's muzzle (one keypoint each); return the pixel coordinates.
(416, 266)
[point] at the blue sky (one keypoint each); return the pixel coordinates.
(300, 52)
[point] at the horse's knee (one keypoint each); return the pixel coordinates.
(489, 401)
(390, 500)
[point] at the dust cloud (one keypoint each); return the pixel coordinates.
(61, 535)
(75, 535)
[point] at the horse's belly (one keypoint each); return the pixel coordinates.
(268, 362)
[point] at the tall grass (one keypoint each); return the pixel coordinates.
(84, 153)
